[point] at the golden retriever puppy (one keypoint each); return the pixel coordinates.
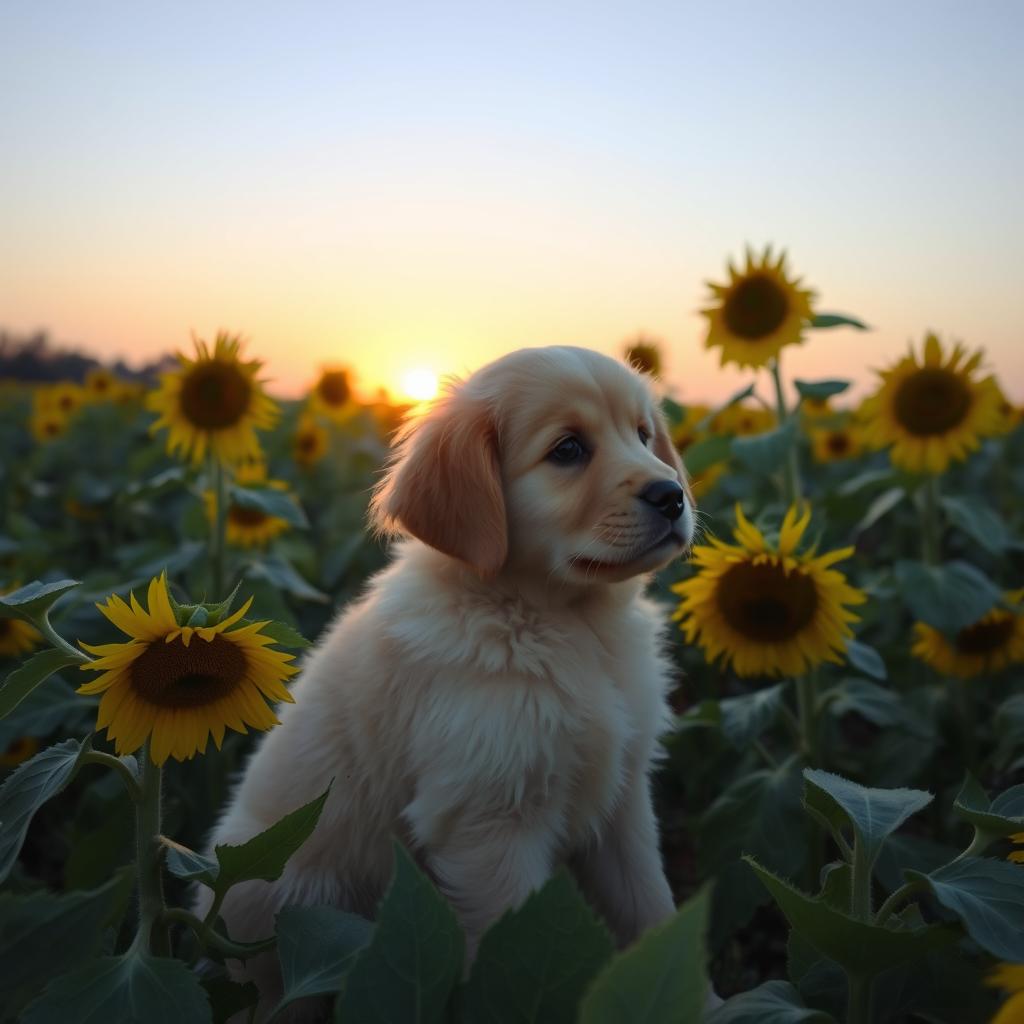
(495, 697)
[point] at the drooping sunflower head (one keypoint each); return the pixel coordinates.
(332, 393)
(759, 311)
(182, 684)
(213, 403)
(984, 647)
(834, 444)
(765, 608)
(644, 354)
(933, 411)
(17, 637)
(248, 526)
(310, 441)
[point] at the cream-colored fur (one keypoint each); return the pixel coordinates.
(495, 697)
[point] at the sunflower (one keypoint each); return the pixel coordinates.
(834, 444)
(982, 648)
(643, 354)
(1017, 856)
(760, 310)
(101, 385)
(17, 637)
(686, 431)
(309, 444)
(63, 399)
(249, 527)
(213, 403)
(46, 424)
(742, 420)
(932, 412)
(766, 609)
(332, 394)
(182, 684)
(816, 408)
(704, 482)
(20, 750)
(1010, 978)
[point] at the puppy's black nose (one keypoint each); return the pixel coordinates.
(666, 496)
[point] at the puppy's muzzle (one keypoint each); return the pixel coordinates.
(666, 496)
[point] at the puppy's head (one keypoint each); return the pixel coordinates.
(553, 461)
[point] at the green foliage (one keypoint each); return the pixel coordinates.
(774, 1002)
(660, 980)
(22, 681)
(765, 453)
(992, 819)
(820, 389)
(948, 597)
(271, 502)
(826, 320)
(536, 962)
(33, 601)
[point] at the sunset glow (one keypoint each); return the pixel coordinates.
(419, 384)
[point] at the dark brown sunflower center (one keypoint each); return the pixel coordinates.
(766, 604)
(984, 637)
(215, 395)
(175, 676)
(247, 516)
(65, 402)
(100, 384)
(6, 627)
(51, 429)
(756, 307)
(307, 443)
(838, 444)
(333, 387)
(931, 401)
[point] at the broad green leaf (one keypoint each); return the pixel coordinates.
(880, 507)
(27, 788)
(45, 710)
(877, 704)
(24, 679)
(285, 636)
(734, 399)
(825, 320)
(672, 411)
(662, 979)
(1002, 817)
(283, 575)
(265, 855)
(948, 597)
(133, 987)
(1009, 729)
(44, 934)
(774, 1002)
(980, 522)
(861, 948)
(316, 947)
(271, 502)
(872, 813)
(862, 481)
(189, 865)
(765, 453)
(227, 997)
(820, 389)
(34, 600)
(536, 962)
(988, 897)
(744, 718)
(411, 965)
(702, 455)
(865, 659)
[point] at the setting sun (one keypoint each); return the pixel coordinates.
(420, 384)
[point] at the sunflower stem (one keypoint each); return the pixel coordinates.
(109, 761)
(858, 1000)
(901, 895)
(152, 933)
(214, 940)
(791, 469)
(805, 687)
(931, 539)
(56, 640)
(217, 539)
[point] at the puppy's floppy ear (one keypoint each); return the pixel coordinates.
(444, 485)
(665, 450)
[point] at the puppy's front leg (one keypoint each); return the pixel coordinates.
(622, 872)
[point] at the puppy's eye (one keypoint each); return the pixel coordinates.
(568, 451)
(643, 435)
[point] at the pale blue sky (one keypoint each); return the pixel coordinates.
(389, 184)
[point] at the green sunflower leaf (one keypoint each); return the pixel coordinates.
(45, 710)
(821, 389)
(774, 1002)
(861, 948)
(947, 597)
(228, 997)
(765, 453)
(24, 679)
(880, 507)
(133, 987)
(744, 718)
(27, 788)
(995, 819)
(536, 962)
(672, 411)
(980, 522)
(265, 855)
(704, 454)
(1009, 730)
(285, 636)
(316, 947)
(872, 813)
(284, 576)
(735, 399)
(34, 600)
(865, 659)
(826, 320)
(661, 979)
(413, 961)
(875, 703)
(988, 897)
(271, 502)
(34, 931)
(189, 865)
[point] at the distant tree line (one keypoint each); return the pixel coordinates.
(34, 357)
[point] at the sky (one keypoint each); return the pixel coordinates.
(398, 185)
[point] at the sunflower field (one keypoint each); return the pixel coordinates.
(842, 797)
